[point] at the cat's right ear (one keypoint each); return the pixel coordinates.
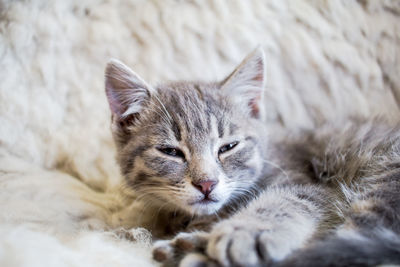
(126, 92)
(245, 85)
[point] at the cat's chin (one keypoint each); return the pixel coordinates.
(205, 207)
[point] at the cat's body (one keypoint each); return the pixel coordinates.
(202, 156)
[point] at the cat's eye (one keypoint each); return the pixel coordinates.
(227, 147)
(172, 151)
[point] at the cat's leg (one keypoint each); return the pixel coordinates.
(370, 235)
(275, 224)
(280, 221)
(350, 248)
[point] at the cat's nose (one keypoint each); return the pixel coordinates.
(205, 186)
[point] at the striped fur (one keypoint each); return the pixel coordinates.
(327, 196)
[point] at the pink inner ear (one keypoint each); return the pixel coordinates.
(259, 77)
(260, 74)
(114, 103)
(254, 105)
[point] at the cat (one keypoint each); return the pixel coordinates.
(239, 191)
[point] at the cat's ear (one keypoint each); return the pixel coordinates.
(245, 85)
(126, 92)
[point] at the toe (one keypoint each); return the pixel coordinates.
(241, 251)
(261, 246)
(187, 242)
(162, 251)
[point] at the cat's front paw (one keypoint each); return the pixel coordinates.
(230, 243)
(239, 243)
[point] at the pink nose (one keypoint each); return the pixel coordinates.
(205, 186)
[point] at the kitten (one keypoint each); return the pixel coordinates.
(203, 155)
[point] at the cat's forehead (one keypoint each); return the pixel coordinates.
(195, 112)
(199, 92)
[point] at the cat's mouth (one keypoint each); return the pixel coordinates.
(205, 200)
(205, 205)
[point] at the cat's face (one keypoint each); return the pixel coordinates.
(189, 146)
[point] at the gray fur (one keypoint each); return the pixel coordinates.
(327, 196)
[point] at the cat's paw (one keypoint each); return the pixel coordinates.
(230, 243)
(239, 243)
(184, 243)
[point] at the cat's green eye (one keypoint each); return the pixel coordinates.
(227, 147)
(172, 151)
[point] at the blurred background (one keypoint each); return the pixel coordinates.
(325, 60)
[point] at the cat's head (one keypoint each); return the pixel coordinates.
(187, 145)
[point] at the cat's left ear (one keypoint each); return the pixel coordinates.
(126, 92)
(245, 85)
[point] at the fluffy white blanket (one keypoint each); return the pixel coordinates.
(60, 196)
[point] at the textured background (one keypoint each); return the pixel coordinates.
(59, 183)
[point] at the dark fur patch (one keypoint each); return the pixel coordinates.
(220, 128)
(129, 162)
(177, 131)
(138, 180)
(233, 128)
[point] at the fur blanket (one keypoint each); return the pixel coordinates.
(60, 187)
